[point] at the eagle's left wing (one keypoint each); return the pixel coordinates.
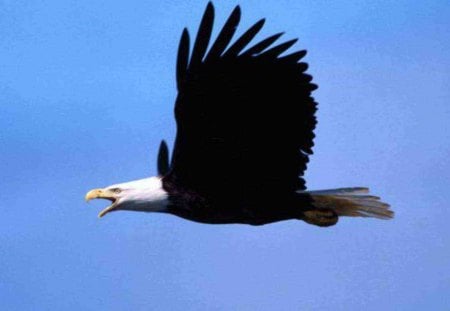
(245, 115)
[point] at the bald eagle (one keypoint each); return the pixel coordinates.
(245, 119)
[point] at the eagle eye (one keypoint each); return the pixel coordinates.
(116, 190)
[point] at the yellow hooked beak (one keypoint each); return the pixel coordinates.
(102, 194)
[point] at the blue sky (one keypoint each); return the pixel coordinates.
(86, 94)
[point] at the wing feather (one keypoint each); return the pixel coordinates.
(163, 159)
(203, 36)
(225, 35)
(294, 57)
(182, 58)
(277, 50)
(261, 46)
(245, 39)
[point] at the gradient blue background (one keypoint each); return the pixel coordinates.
(86, 93)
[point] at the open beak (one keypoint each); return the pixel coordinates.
(102, 194)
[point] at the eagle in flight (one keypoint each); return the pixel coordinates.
(245, 120)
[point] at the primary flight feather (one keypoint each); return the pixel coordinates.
(245, 120)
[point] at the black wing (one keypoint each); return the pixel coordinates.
(245, 116)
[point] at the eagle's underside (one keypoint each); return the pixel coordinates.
(248, 210)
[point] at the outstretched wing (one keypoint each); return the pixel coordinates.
(245, 116)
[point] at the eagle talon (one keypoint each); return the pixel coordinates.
(321, 217)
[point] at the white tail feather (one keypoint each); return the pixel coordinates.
(351, 202)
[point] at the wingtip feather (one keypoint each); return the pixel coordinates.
(182, 58)
(245, 39)
(203, 36)
(262, 45)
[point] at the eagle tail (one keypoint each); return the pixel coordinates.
(352, 202)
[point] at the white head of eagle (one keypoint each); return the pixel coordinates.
(245, 129)
(139, 195)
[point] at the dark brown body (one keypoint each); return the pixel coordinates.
(244, 209)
